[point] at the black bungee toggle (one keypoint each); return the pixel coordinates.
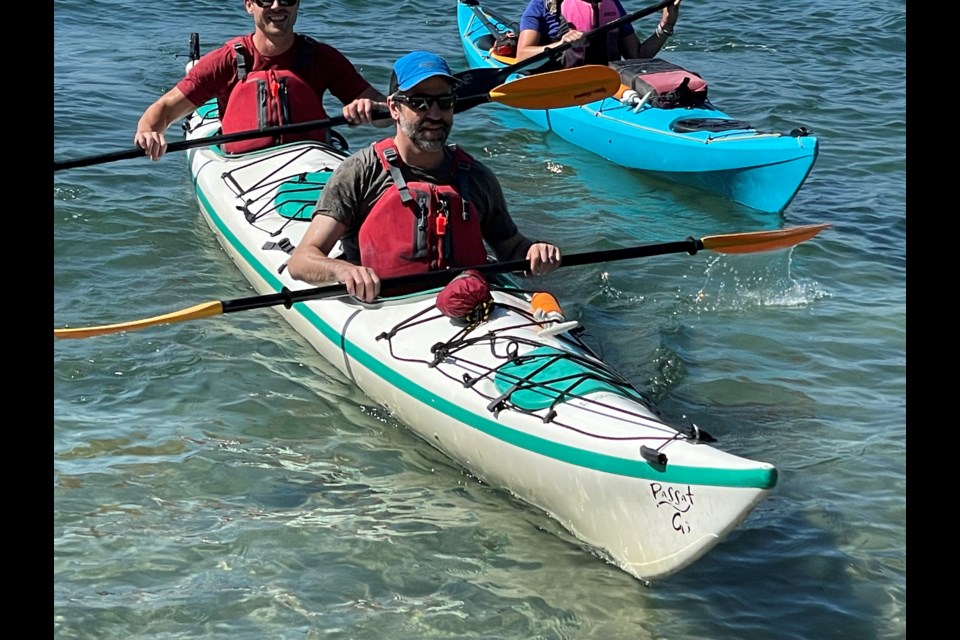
(654, 457)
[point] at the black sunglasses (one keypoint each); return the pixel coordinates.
(266, 4)
(423, 103)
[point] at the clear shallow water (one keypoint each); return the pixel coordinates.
(219, 479)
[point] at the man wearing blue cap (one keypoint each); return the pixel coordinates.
(411, 203)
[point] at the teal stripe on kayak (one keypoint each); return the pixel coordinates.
(749, 478)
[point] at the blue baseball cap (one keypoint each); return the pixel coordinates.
(417, 66)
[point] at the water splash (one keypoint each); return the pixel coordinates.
(739, 283)
(607, 290)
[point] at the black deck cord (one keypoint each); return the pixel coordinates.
(263, 183)
(593, 372)
(387, 335)
(459, 341)
(510, 356)
(599, 373)
(495, 405)
(514, 26)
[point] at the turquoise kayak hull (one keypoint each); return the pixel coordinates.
(700, 147)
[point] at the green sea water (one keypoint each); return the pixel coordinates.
(219, 479)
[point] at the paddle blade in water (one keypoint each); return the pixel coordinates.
(755, 241)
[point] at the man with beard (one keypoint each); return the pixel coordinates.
(411, 203)
(269, 78)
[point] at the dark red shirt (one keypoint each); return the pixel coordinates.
(215, 74)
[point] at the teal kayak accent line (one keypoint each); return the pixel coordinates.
(761, 478)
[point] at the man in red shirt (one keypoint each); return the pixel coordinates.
(272, 56)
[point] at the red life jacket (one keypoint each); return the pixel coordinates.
(587, 15)
(270, 98)
(415, 227)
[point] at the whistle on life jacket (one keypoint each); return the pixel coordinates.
(444, 246)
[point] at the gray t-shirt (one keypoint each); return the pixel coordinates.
(360, 180)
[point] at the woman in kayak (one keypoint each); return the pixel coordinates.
(411, 203)
(546, 23)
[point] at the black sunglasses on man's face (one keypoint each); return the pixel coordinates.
(266, 4)
(423, 103)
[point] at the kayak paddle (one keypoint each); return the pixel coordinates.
(565, 88)
(555, 89)
(477, 82)
(751, 242)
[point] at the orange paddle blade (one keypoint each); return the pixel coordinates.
(204, 310)
(558, 89)
(762, 240)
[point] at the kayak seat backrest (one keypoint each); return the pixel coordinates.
(297, 198)
(486, 42)
(504, 51)
(545, 375)
(668, 84)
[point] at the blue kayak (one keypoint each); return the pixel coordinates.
(675, 134)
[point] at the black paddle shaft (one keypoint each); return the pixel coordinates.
(288, 298)
(181, 145)
(474, 89)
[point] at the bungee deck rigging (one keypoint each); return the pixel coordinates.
(532, 377)
(537, 381)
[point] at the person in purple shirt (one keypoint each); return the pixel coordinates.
(543, 26)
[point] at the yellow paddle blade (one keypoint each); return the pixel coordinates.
(204, 310)
(558, 89)
(762, 240)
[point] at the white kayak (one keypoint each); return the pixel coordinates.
(524, 406)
